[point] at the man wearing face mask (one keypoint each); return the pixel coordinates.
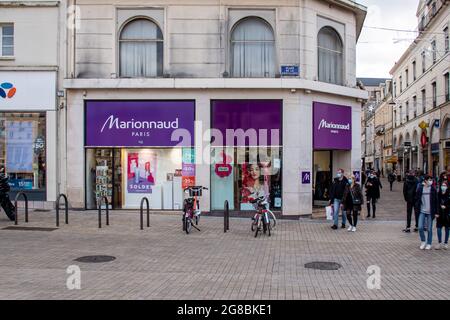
(336, 195)
(373, 186)
(409, 194)
(426, 203)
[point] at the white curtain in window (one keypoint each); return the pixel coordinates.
(253, 49)
(141, 50)
(330, 52)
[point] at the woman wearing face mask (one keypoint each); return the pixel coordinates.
(352, 202)
(443, 217)
(426, 203)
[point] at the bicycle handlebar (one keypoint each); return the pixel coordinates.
(196, 188)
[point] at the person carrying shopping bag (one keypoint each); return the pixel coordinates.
(352, 202)
(426, 204)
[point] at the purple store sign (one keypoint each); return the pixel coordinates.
(139, 123)
(332, 127)
(247, 122)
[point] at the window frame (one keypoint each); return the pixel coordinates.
(119, 41)
(339, 37)
(231, 43)
(2, 55)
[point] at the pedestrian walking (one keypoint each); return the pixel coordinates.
(373, 186)
(352, 202)
(426, 203)
(443, 217)
(336, 195)
(409, 194)
(363, 177)
(391, 179)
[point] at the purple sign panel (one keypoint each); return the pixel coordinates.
(140, 123)
(247, 122)
(306, 177)
(332, 127)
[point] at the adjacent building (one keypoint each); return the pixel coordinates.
(30, 60)
(421, 94)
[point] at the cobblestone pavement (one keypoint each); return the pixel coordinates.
(164, 263)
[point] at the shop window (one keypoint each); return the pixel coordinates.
(23, 150)
(253, 49)
(330, 55)
(246, 153)
(125, 176)
(141, 50)
(6, 40)
(323, 177)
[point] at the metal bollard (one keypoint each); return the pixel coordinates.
(145, 200)
(66, 208)
(226, 217)
(16, 222)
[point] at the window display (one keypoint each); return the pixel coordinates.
(257, 172)
(22, 150)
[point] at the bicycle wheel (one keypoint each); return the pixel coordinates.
(183, 220)
(273, 218)
(269, 225)
(253, 226)
(188, 225)
(197, 220)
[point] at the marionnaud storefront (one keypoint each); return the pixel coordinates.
(128, 144)
(28, 134)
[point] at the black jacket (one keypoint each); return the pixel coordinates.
(433, 200)
(391, 177)
(444, 213)
(373, 191)
(409, 189)
(349, 195)
(338, 188)
(4, 185)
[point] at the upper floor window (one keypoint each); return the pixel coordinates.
(424, 101)
(253, 49)
(331, 53)
(141, 49)
(401, 84)
(434, 49)
(407, 77)
(447, 40)
(414, 66)
(434, 87)
(447, 87)
(6, 40)
(424, 66)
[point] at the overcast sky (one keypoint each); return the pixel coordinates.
(378, 50)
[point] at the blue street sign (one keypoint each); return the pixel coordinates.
(290, 71)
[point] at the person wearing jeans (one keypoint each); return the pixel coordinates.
(336, 196)
(426, 204)
(352, 202)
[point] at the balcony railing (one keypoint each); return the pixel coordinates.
(431, 14)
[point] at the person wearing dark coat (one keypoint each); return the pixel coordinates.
(391, 179)
(352, 202)
(409, 194)
(426, 203)
(5, 201)
(443, 216)
(336, 195)
(373, 186)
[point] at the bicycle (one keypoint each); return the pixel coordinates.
(191, 208)
(263, 217)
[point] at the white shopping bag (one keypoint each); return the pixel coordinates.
(329, 211)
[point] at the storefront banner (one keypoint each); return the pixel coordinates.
(247, 122)
(140, 123)
(141, 172)
(19, 146)
(27, 90)
(332, 127)
(188, 170)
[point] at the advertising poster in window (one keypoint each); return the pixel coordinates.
(188, 168)
(141, 172)
(255, 183)
(19, 146)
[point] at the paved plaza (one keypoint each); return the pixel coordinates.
(164, 263)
